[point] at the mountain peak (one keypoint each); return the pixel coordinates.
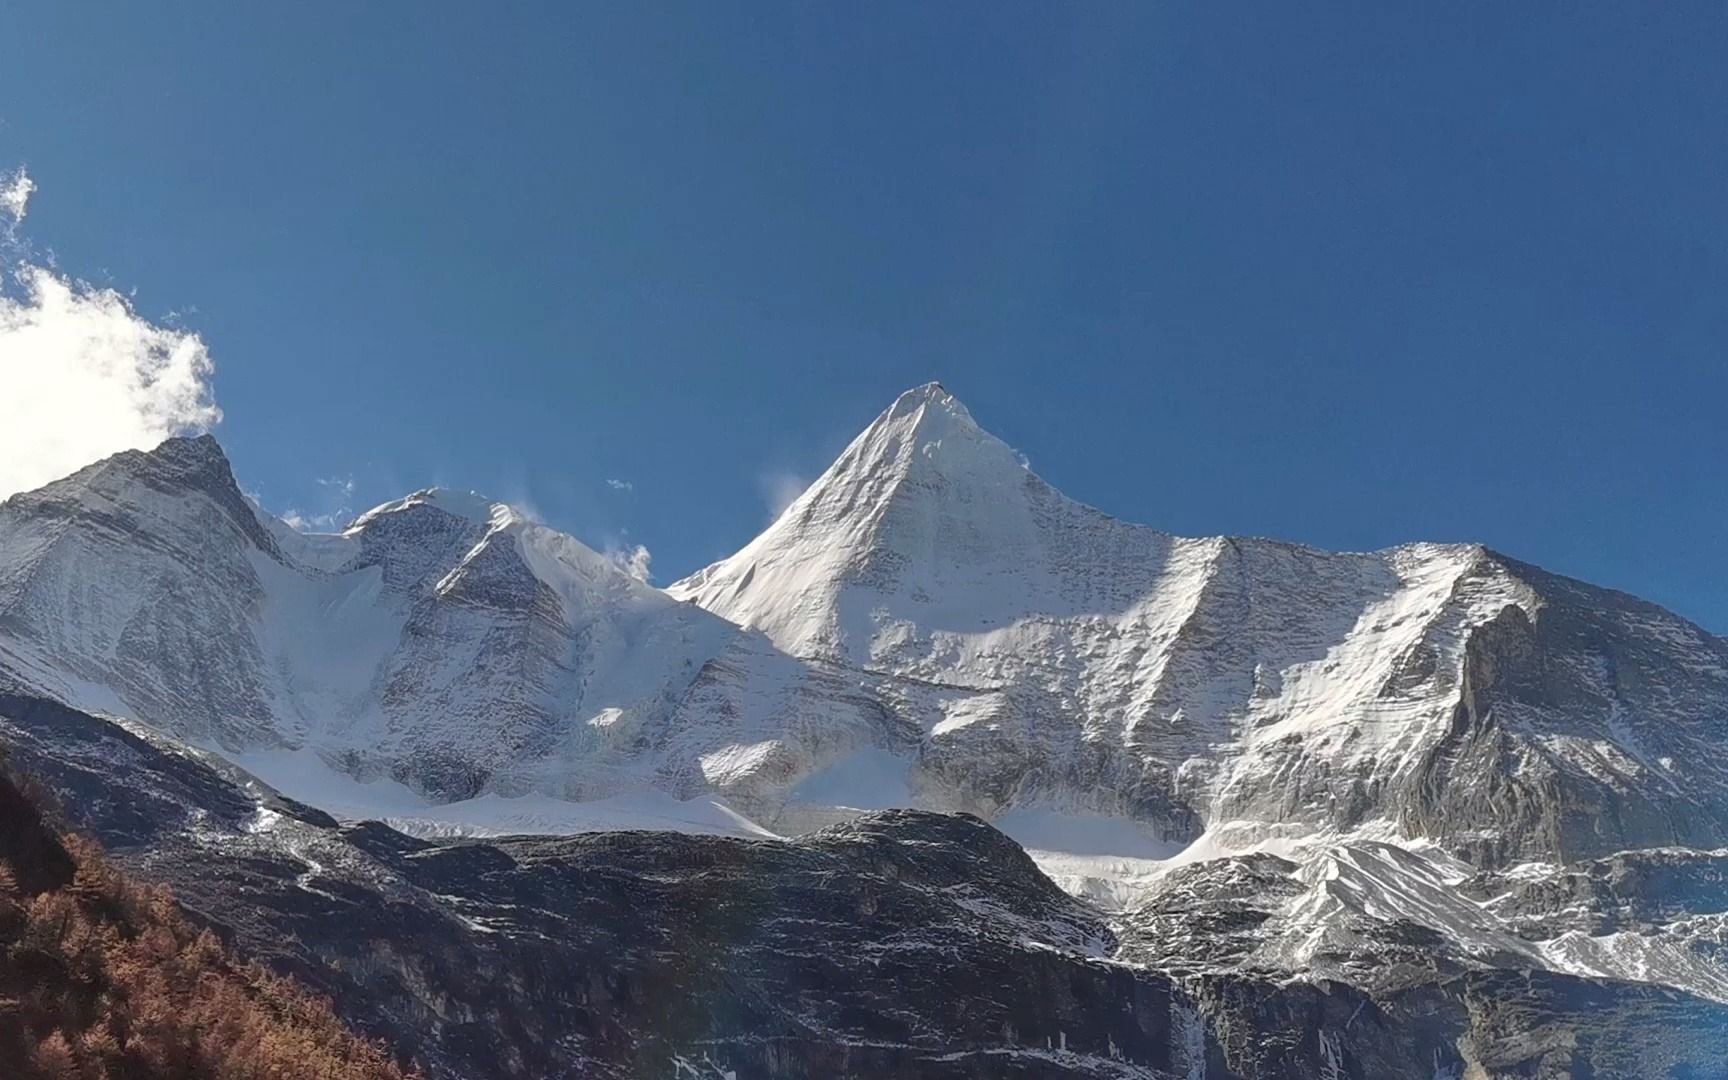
(928, 433)
(930, 408)
(141, 480)
(196, 460)
(203, 446)
(921, 493)
(470, 506)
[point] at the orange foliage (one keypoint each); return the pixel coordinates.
(101, 977)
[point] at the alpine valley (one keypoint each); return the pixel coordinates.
(942, 775)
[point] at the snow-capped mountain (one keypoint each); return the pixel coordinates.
(1319, 749)
(1331, 748)
(441, 646)
(902, 944)
(1085, 663)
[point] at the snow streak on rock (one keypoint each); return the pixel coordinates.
(1322, 750)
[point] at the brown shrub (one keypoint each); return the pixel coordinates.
(103, 977)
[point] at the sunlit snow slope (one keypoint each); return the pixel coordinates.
(1082, 663)
(1365, 739)
(442, 644)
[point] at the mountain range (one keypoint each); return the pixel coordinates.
(1484, 802)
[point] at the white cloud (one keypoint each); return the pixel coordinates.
(303, 522)
(82, 374)
(15, 191)
(338, 509)
(632, 559)
(620, 485)
(780, 490)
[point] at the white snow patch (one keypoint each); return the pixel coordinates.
(497, 815)
(305, 777)
(862, 780)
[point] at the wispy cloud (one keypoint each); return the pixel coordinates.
(300, 522)
(338, 509)
(82, 374)
(633, 559)
(620, 485)
(780, 489)
(16, 188)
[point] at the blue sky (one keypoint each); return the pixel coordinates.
(1349, 275)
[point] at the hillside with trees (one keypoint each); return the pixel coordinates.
(103, 977)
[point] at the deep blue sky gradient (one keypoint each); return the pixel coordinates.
(1344, 274)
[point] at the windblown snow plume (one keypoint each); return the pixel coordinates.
(633, 559)
(779, 490)
(82, 374)
(15, 192)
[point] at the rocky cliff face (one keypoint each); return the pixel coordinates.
(902, 944)
(1408, 772)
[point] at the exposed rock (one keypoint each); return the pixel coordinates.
(1432, 787)
(902, 944)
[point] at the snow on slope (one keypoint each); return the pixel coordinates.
(1129, 703)
(929, 552)
(929, 598)
(304, 776)
(928, 624)
(1095, 666)
(442, 642)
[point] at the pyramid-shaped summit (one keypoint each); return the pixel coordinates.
(924, 517)
(925, 439)
(1093, 663)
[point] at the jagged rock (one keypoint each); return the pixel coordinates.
(1280, 771)
(902, 944)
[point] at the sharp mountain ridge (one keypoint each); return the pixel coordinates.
(1247, 755)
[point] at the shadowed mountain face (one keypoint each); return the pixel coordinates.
(101, 977)
(902, 944)
(1408, 772)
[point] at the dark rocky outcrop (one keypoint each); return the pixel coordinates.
(905, 944)
(103, 978)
